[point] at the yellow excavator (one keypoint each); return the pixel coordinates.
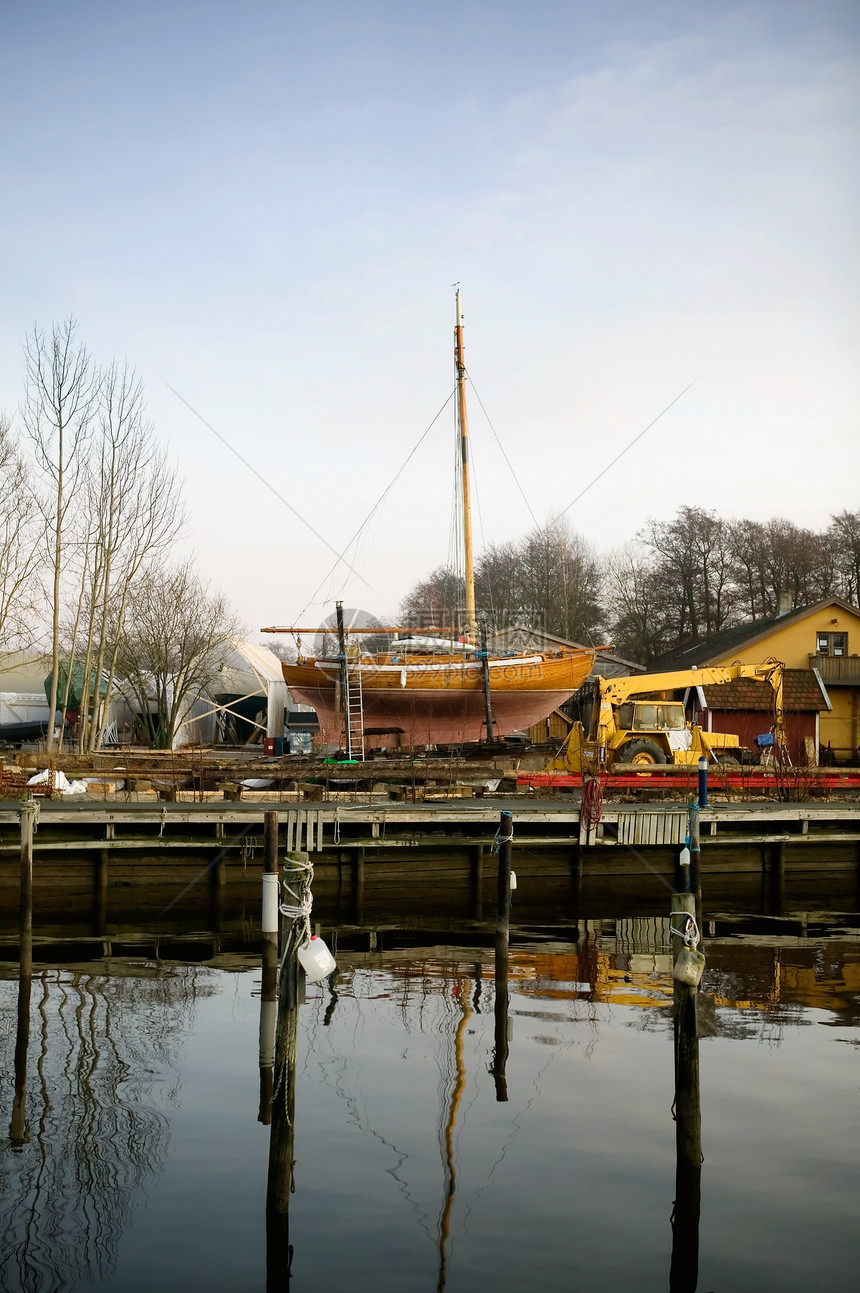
(631, 721)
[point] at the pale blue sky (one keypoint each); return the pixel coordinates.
(265, 206)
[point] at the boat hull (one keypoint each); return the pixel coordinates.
(440, 702)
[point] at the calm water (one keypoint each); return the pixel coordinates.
(145, 1163)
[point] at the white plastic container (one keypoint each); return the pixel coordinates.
(513, 880)
(316, 960)
(689, 966)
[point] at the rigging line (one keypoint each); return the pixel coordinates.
(502, 450)
(209, 865)
(620, 455)
(381, 498)
(263, 479)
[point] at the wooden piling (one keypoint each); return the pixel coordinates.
(695, 863)
(18, 1130)
(684, 1269)
(268, 1021)
(279, 1185)
(576, 879)
(101, 890)
(269, 985)
(270, 836)
(503, 925)
(774, 880)
(476, 882)
(217, 880)
(270, 880)
(358, 885)
(25, 961)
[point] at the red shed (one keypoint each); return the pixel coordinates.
(745, 706)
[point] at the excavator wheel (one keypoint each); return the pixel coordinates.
(642, 751)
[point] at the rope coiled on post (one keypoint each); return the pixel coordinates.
(689, 932)
(301, 906)
(30, 807)
(499, 839)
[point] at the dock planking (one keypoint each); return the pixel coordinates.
(325, 830)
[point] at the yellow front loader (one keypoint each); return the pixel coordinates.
(631, 721)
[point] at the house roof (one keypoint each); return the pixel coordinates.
(801, 692)
(711, 650)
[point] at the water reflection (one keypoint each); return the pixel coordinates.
(381, 1102)
(104, 1068)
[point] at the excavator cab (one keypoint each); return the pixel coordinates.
(650, 731)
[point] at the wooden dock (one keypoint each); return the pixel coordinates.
(103, 869)
(328, 830)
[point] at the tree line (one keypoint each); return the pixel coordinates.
(90, 509)
(678, 581)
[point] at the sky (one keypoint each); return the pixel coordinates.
(263, 208)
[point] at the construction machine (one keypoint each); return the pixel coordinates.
(632, 721)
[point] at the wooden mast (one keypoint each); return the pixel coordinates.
(468, 554)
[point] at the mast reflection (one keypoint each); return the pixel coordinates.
(448, 1155)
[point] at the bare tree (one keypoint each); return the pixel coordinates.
(21, 592)
(560, 581)
(136, 506)
(693, 570)
(638, 622)
(171, 649)
(436, 601)
(498, 585)
(60, 388)
(843, 539)
(777, 564)
(748, 540)
(551, 578)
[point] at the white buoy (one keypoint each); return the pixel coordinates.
(684, 859)
(513, 879)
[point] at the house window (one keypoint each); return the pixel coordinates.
(831, 643)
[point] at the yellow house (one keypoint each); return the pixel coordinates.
(824, 637)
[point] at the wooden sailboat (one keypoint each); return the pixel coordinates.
(412, 696)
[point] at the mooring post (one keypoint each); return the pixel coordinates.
(28, 812)
(358, 885)
(279, 1183)
(576, 879)
(476, 876)
(503, 925)
(101, 894)
(217, 877)
(684, 1270)
(695, 858)
(774, 879)
(269, 986)
(270, 879)
(18, 1131)
(703, 782)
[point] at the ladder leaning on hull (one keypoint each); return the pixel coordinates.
(353, 713)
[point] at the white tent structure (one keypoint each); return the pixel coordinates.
(249, 672)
